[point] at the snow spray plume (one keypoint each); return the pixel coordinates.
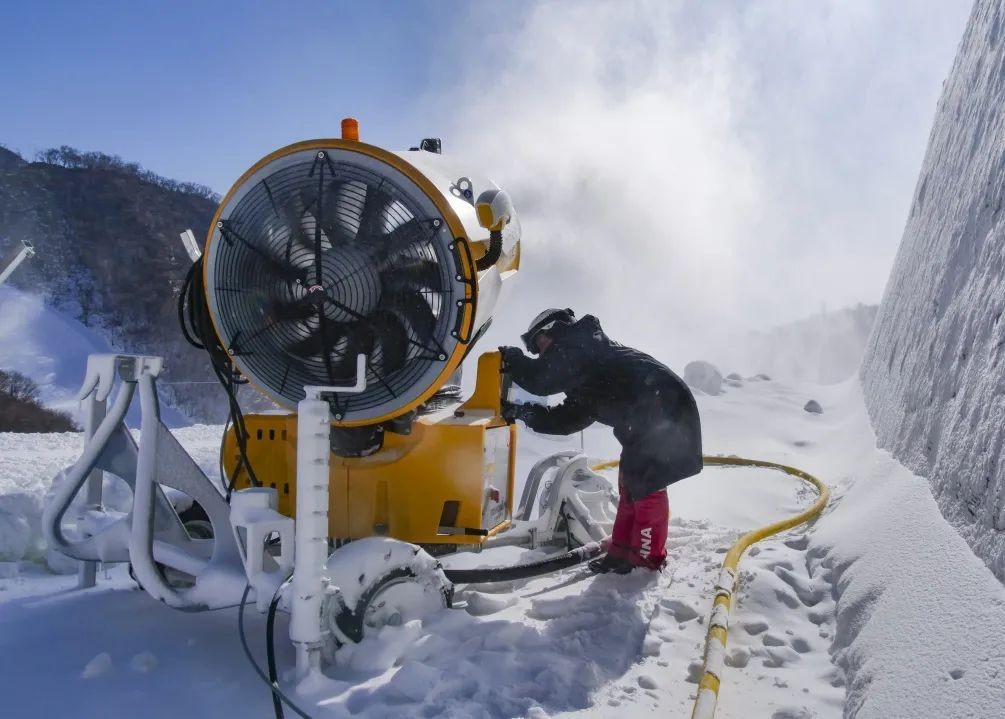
(680, 168)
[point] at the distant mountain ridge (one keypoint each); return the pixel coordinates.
(108, 255)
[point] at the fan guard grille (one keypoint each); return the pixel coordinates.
(322, 255)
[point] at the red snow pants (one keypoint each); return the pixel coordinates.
(640, 528)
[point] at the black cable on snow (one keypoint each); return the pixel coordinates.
(277, 693)
(524, 571)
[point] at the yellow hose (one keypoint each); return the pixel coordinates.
(718, 624)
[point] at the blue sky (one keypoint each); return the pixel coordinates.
(725, 165)
(199, 90)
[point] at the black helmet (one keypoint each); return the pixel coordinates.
(544, 322)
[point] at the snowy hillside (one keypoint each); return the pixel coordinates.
(52, 348)
(848, 618)
(109, 258)
(933, 374)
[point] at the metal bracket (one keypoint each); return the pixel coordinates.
(460, 245)
(314, 392)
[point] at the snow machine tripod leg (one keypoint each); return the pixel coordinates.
(152, 533)
(94, 413)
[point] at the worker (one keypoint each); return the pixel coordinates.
(652, 412)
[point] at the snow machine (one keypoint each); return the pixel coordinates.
(346, 284)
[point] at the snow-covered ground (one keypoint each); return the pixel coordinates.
(879, 610)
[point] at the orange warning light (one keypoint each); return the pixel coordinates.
(350, 129)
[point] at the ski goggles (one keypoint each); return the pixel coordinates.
(530, 338)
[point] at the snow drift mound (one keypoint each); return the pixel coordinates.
(933, 374)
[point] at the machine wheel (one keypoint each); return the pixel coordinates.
(382, 582)
(196, 522)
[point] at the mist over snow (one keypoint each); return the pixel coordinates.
(690, 171)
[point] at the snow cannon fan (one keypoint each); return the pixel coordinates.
(337, 263)
(369, 273)
(347, 283)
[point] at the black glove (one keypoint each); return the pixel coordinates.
(510, 355)
(511, 411)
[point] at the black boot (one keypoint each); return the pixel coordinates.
(607, 563)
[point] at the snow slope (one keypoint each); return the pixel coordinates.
(46, 346)
(52, 350)
(857, 616)
(933, 373)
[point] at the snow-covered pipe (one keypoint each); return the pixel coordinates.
(311, 533)
(141, 533)
(55, 508)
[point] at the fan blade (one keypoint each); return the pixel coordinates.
(373, 214)
(323, 336)
(401, 238)
(273, 265)
(310, 346)
(392, 339)
(279, 269)
(294, 214)
(412, 275)
(294, 310)
(338, 213)
(414, 311)
(359, 340)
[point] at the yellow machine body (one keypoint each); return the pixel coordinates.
(450, 481)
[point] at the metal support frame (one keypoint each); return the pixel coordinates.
(575, 496)
(151, 535)
(575, 503)
(94, 411)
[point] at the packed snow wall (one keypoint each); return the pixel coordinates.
(934, 369)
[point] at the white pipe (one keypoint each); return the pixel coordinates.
(311, 533)
(141, 535)
(52, 515)
(26, 251)
(191, 246)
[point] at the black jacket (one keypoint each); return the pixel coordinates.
(652, 411)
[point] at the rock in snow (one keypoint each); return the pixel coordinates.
(813, 407)
(704, 377)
